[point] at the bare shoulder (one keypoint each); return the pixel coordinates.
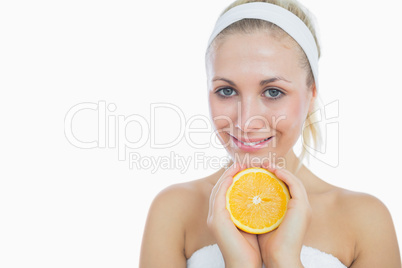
(361, 204)
(175, 203)
(179, 198)
(168, 216)
(363, 211)
(183, 197)
(375, 237)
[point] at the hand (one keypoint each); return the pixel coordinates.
(282, 247)
(239, 249)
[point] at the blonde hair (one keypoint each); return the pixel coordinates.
(310, 131)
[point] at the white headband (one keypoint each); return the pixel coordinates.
(279, 16)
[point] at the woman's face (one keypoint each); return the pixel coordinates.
(258, 96)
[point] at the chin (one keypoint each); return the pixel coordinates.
(255, 159)
(272, 152)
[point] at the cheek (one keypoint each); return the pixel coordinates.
(223, 113)
(290, 119)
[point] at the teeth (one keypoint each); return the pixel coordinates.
(253, 143)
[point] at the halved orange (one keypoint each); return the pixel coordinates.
(257, 200)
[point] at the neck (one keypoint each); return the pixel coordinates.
(292, 162)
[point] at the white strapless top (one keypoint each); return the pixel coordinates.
(211, 257)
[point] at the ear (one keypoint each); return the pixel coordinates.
(313, 99)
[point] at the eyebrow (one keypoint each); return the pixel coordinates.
(262, 83)
(273, 79)
(225, 80)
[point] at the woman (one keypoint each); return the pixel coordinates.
(262, 81)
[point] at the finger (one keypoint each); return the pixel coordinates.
(227, 179)
(251, 239)
(217, 205)
(220, 197)
(295, 185)
(221, 187)
(228, 174)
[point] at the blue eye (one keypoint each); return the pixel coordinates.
(273, 93)
(226, 92)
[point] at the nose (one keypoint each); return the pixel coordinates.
(251, 115)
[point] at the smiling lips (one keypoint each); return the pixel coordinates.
(251, 145)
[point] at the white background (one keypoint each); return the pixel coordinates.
(64, 206)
